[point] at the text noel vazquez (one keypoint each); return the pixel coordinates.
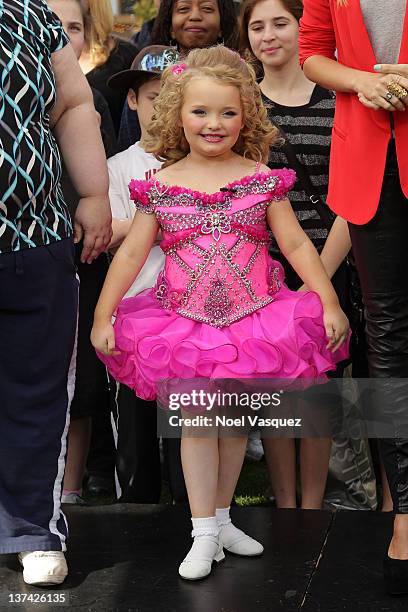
(242, 421)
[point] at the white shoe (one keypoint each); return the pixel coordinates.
(73, 498)
(204, 551)
(43, 567)
(239, 543)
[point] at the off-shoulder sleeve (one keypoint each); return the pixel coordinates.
(286, 180)
(317, 35)
(140, 194)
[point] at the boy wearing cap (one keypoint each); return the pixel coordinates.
(142, 81)
(138, 467)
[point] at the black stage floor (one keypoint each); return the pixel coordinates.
(125, 558)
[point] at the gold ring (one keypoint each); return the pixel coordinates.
(397, 90)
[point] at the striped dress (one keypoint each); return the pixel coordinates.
(308, 129)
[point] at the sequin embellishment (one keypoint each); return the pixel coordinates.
(218, 303)
(274, 281)
(216, 251)
(170, 300)
(215, 224)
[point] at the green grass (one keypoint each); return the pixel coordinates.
(253, 484)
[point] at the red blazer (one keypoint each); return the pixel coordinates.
(360, 135)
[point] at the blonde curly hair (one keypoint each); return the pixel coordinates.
(165, 136)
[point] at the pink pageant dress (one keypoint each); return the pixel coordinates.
(220, 308)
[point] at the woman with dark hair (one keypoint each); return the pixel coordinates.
(185, 24)
(189, 24)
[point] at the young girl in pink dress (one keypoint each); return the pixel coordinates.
(220, 308)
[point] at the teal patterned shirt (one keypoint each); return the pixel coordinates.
(32, 209)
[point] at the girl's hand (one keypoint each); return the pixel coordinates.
(372, 91)
(103, 338)
(337, 327)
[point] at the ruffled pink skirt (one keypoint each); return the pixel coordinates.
(284, 340)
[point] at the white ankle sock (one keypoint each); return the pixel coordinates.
(228, 530)
(205, 526)
(223, 516)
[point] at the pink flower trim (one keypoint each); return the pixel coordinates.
(178, 69)
(287, 180)
(287, 176)
(139, 189)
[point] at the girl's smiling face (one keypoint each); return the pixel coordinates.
(211, 116)
(273, 33)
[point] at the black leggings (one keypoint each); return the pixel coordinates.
(380, 248)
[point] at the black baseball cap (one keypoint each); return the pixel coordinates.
(150, 60)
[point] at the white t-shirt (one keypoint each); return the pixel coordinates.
(134, 163)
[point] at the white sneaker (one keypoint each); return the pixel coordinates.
(204, 551)
(239, 543)
(43, 567)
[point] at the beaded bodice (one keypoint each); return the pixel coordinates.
(217, 266)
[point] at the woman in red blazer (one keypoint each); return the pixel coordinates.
(369, 187)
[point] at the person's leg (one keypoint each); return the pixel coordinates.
(138, 466)
(380, 248)
(322, 414)
(38, 312)
(79, 437)
(386, 505)
(173, 470)
(231, 457)
(200, 459)
(314, 467)
(102, 452)
(91, 387)
(280, 455)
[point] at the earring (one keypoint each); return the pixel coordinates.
(220, 40)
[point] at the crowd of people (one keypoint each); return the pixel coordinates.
(227, 183)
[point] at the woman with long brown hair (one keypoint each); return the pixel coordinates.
(105, 55)
(304, 112)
